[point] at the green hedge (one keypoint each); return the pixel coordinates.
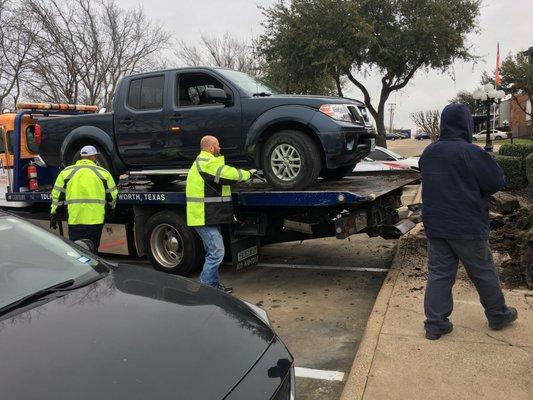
(516, 150)
(529, 169)
(513, 169)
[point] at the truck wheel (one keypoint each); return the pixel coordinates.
(171, 245)
(337, 173)
(290, 160)
(103, 158)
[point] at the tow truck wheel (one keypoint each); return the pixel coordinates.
(171, 245)
(337, 173)
(290, 160)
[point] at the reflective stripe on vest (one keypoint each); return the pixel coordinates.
(209, 199)
(85, 201)
(218, 173)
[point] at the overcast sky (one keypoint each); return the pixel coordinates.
(506, 21)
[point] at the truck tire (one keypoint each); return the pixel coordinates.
(291, 160)
(103, 159)
(337, 173)
(172, 246)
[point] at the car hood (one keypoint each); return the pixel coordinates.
(312, 101)
(135, 334)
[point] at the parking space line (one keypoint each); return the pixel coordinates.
(323, 267)
(318, 374)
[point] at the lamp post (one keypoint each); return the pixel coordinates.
(488, 96)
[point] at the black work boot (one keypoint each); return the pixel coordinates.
(507, 320)
(436, 336)
(225, 289)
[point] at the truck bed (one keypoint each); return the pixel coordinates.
(351, 190)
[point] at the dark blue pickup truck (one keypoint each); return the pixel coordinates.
(160, 117)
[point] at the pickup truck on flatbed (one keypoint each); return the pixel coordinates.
(160, 117)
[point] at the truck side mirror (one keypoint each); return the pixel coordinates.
(216, 95)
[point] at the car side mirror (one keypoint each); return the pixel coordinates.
(216, 95)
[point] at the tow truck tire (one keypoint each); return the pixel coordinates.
(300, 153)
(337, 173)
(172, 246)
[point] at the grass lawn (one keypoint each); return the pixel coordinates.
(516, 141)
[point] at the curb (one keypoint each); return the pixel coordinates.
(355, 386)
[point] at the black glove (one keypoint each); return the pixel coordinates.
(54, 221)
(109, 213)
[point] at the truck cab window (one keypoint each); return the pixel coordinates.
(9, 142)
(146, 93)
(190, 89)
(30, 139)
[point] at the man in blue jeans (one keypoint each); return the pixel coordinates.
(457, 179)
(209, 204)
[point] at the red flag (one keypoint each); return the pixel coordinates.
(498, 79)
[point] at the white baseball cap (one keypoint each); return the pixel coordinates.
(88, 151)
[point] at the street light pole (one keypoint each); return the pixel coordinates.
(488, 96)
(488, 137)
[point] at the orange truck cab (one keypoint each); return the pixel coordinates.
(19, 147)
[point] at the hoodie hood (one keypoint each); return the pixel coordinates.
(456, 123)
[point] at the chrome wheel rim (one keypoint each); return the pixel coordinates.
(285, 162)
(167, 245)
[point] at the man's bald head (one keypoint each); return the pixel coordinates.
(210, 144)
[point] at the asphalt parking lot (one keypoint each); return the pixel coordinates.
(318, 295)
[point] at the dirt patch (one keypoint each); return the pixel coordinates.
(515, 238)
(511, 243)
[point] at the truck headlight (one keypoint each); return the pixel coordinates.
(262, 314)
(340, 112)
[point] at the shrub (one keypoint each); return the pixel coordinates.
(513, 170)
(516, 150)
(529, 169)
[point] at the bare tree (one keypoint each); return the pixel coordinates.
(84, 47)
(225, 51)
(15, 44)
(428, 121)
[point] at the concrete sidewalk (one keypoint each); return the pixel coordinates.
(395, 361)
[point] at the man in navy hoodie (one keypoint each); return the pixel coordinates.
(457, 179)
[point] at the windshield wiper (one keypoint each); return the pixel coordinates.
(31, 298)
(60, 287)
(262, 94)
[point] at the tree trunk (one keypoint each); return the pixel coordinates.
(380, 125)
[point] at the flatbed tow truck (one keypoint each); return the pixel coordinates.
(153, 216)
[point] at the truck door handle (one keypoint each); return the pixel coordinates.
(175, 117)
(126, 121)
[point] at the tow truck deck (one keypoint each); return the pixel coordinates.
(355, 204)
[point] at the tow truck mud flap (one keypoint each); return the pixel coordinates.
(350, 224)
(244, 251)
(395, 231)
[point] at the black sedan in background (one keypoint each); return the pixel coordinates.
(73, 326)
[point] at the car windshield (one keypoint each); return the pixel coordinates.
(248, 83)
(32, 259)
(395, 155)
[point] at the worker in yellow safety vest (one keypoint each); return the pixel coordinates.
(86, 189)
(209, 204)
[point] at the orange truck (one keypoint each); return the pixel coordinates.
(21, 168)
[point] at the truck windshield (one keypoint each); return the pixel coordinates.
(248, 83)
(32, 259)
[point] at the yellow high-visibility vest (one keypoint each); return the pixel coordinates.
(208, 190)
(85, 188)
